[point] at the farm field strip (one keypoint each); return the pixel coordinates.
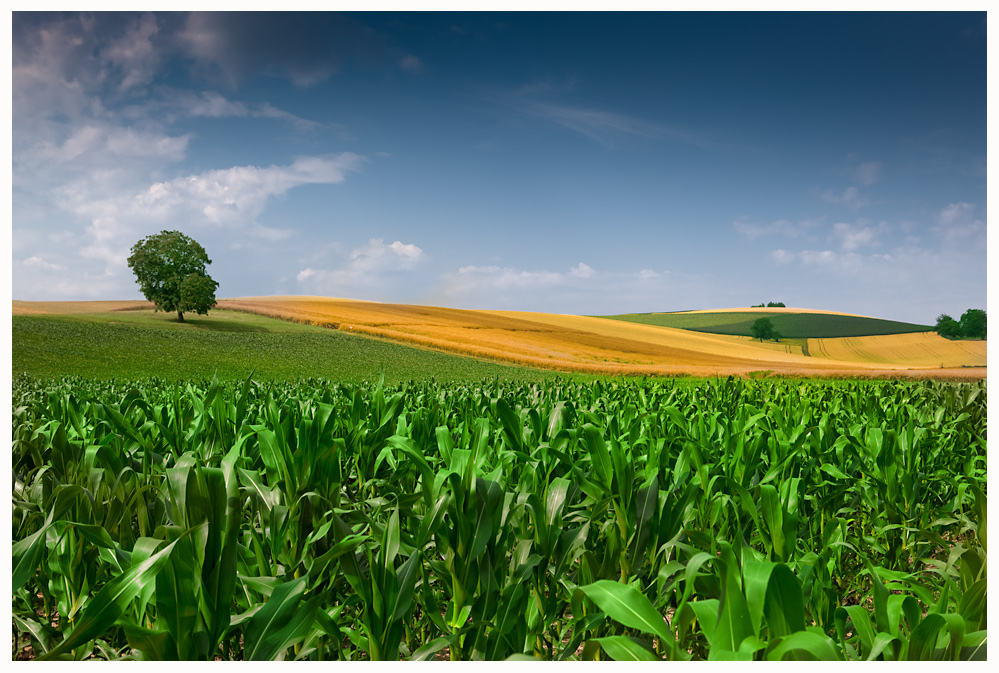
(70, 307)
(914, 350)
(791, 323)
(646, 520)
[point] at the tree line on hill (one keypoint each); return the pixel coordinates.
(972, 325)
(769, 304)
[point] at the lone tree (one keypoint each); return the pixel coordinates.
(170, 269)
(763, 329)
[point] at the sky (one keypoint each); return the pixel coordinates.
(588, 163)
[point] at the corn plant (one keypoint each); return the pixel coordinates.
(627, 520)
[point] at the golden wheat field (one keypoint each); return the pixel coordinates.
(924, 349)
(69, 307)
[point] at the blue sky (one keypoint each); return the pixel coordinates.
(585, 163)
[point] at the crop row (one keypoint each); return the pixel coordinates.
(644, 520)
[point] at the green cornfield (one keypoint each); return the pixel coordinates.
(562, 520)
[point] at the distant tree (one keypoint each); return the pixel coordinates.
(974, 323)
(947, 327)
(763, 329)
(758, 306)
(170, 269)
(775, 304)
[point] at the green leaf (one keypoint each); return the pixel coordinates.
(433, 647)
(734, 623)
(26, 557)
(806, 645)
(627, 605)
(264, 634)
(154, 644)
(599, 455)
(104, 609)
(784, 606)
(623, 648)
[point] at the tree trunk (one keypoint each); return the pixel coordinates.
(180, 317)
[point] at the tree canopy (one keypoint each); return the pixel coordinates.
(170, 269)
(972, 325)
(763, 329)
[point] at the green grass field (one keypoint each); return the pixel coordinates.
(790, 325)
(231, 345)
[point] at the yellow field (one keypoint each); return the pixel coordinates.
(68, 307)
(924, 349)
(599, 345)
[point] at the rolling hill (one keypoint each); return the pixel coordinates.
(791, 323)
(599, 345)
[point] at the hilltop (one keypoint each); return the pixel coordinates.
(792, 323)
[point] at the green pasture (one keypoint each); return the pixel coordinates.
(229, 345)
(790, 325)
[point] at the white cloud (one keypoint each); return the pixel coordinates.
(36, 261)
(581, 289)
(854, 236)
(959, 221)
(371, 271)
(376, 256)
(777, 227)
(207, 104)
(850, 197)
(231, 198)
(781, 256)
(212, 104)
(602, 126)
(867, 173)
(132, 56)
(821, 258)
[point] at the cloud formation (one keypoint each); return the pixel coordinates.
(97, 162)
(959, 221)
(854, 236)
(580, 289)
(369, 272)
(849, 197)
(307, 48)
(777, 227)
(605, 127)
(867, 173)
